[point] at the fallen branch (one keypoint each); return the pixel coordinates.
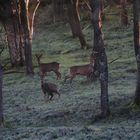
(14, 71)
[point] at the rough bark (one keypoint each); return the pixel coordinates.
(10, 28)
(27, 36)
(100, 67)
(124, 12)
(58, 10)
(15, 31)
(136, 14)
(102, 10)
(73, 18)
(1, 101)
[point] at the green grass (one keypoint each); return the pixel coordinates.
(72, 116)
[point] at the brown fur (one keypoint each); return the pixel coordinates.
(49, 89)
(84, 70)
(48, 67)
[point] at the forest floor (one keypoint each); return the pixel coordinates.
(72, 116)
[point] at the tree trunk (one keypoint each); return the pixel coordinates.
(124, 13)
(11, 44)
(101, 59)
(58, 10)
(136, 15)
(102, 10)
(12, 29)
(1, 101)
(33, 6)
(74, 22)
(27, 36)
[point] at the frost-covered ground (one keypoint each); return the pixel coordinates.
(72, 116)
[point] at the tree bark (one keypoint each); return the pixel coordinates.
(101, 66)
(10, 29)
(27, 36)
(74, 22)
(136, 14)
(1, 99)
(33, 6)
(124, 13)
(102, 10)
(19, 30)
(58, 10)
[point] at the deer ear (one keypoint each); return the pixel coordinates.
(38, 55)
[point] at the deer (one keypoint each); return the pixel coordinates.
(84, 70)
(48, 67)
(49, 89)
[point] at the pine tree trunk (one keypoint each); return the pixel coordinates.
(74, 22)
(1, 101)
(100, 55)
(136, 14)
(124, 13)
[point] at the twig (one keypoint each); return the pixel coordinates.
(113, 60)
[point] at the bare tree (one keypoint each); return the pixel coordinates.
(102, 10)
(124, 12)
(73, 18)
(136, 14)
(58, 10)
(100, 67)
(26, 36)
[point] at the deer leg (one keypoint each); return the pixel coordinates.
(67, 77)
(71, 78)
(58, 93)
(88, 76)
(46, 95)
(58, 74)
(51, 94)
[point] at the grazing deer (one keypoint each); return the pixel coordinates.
(47, 67)
(85, 70)
(49, 89)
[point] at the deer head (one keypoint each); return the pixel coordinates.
(38, 57)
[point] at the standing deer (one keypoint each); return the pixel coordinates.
(85, 70)
(48, 67)
(49, 89)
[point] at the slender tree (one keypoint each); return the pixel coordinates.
(1, 101)
(136, 29)
(73, 18)
(26, 36)
(124, 12)
(58, 10)
(100, 67)
(102, 10)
